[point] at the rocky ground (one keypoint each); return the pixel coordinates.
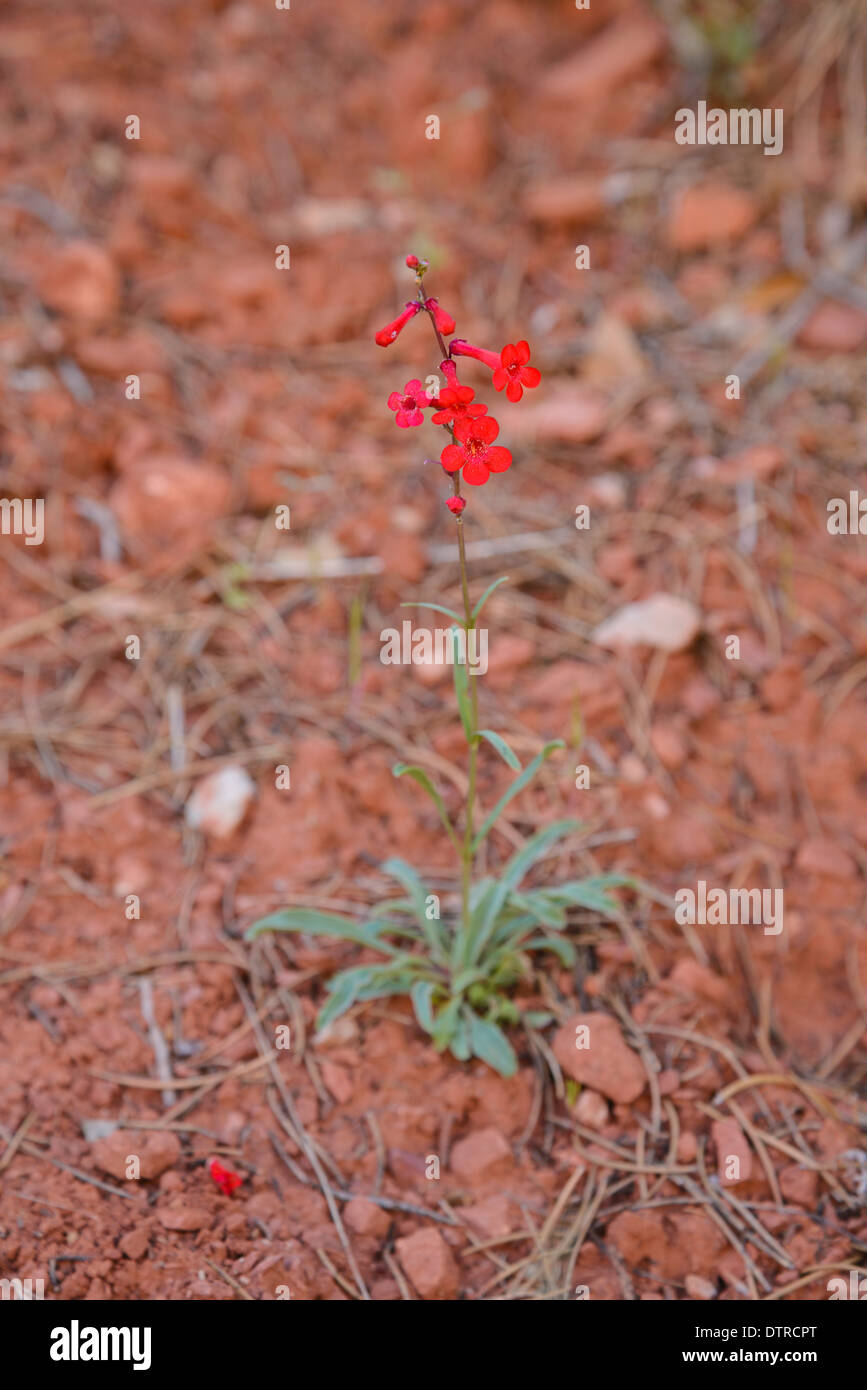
(156, 1034)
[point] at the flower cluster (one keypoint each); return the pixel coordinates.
(472, 451)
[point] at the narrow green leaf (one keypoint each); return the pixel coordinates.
(490, 1043)
(462, 686)
(465, 979)
(537, 1018)
(558, 945)
(487, 594)
(419, 775)
(325, 924)
(438, 608)
(409, 879)
(502, 748)
(460, 1044)
(546, 913)
(421, 995)
(518, 785)
(484, 920)
(445, 1024)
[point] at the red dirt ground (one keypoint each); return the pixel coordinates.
(262, 387)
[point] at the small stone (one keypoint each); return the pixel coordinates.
(700, 1288)
(134, 1244)
(428, 1264)
(709, 214)
(733, 1153)
(591, 1110)
(219, 803)
(483, 1155)
(156, 1150)
(834, 327)
(606, 1063)
(800, 1185)
(338, 1081)
(365, 1218)
(663, 620)
(826, 858)
(185, 1218)
(494, 1217)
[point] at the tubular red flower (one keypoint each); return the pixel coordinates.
(513, 372)
(409, 404)
(226, 1180)
(444, 322)
(454, 402)
(459, 347)
(389, 333)
(475, 451)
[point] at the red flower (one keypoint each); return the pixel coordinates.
(389, 333)
(476, 454)
(410, 405)
(225, 1179)
(513, 373)
(444, 322)
(456, 504)
(454, 401)
(459, 347)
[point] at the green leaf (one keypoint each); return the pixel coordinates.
(419, 775)
(409, 879)
(558, 945)
(364, 982)
(445, 1024)
(518, 785)
(590, 893)
(546, 913)
(491, 1044)
(485, 918)
(460, 1044)
(438, 608)
(502, 748)
(421, 995)
(487, 594)
(462, 689)
(537, 1018)
(466, 978)
(325, 924)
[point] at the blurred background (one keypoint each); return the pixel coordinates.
(153, 258)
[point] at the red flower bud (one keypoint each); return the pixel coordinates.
(389, 333)
(444, 322)
(459, 347)
(412, 262)
(456, 504)
(225, 1179)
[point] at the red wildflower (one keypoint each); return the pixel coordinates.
(514, 373)
(459, 347)
(389, 333)
(454, 401)
(225, 1179)
(444, 322)
(456, 504)
(412, 262)
(476, 453)
(410, 405)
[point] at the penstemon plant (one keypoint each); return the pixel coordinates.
(459, 974)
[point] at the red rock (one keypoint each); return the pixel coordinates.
(689, 976)
(135, 1243)
(687, 1147)
(731, 1143)
(156, 1149)
(170, 500)
(708, 214)
(575, 414)
(607, 1064)
(483, 1155)
(428, 1264)
(573, 198)
(826, 858)
(591, 1110)
(184, 1218)
(800, 1185)
(81, 281)
(366, 1218)
(494, 1217)
(834, 327)
(669, 746)
(604, 63)
(338, 1081)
